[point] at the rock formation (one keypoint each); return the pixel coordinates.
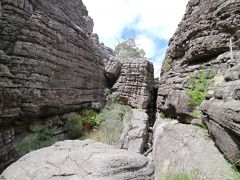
(80, 160)
(178, 147)
(134, 135)
(200, 42)
(222, 115)
(112, 70)
(49, 63)
(136, 83)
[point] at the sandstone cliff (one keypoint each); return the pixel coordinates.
(49, 64)
(201, 42)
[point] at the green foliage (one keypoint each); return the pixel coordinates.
(75, 126)
(196, 114)
(42, 138)
(186, 175)
(198, 88)
(86, 120)
(162, 115)
(167, 64)
(128, 49)
(90, 118)
(112, 117)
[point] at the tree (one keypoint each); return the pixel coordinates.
(128, 49)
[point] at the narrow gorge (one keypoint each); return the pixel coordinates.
(55, 72)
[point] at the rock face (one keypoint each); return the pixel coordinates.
(80, 160)
(222, 115)
(112, 69)
(180, 147)
(135, 84)
(200, 42)
(134, 135)
(49, 63)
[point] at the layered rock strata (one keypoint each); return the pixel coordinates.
(80, 160)
(200, 43)
(222, 115)
(135, 83)
(49, 63)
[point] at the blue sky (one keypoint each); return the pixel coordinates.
(151, 22)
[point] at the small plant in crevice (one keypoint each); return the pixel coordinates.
(196, 114)
(43, 137)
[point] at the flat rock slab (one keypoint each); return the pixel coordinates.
(181, 147)
(88, 160)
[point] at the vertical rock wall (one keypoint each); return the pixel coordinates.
(48, 63)
(200, 42)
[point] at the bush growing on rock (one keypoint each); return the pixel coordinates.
(198, 86)
(75, 126)
(83, 122)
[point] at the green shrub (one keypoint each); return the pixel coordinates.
(75, 126)
(42, 138)
(198, 88)
(196, 114)
(89, 117)
(112, 118)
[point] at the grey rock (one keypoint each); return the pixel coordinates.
(134, 136)
(200, 42)
(49, 64)
(113, 69)
(80, 160)
(225, 141)
(136, 82)
(222, 115)
(180, 147)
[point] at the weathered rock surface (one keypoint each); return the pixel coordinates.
(80, 160)
(134, 135)
(112, 69)
(222, 115)
(48, 61)
(136, 82)
(200, 42)
(180, 147)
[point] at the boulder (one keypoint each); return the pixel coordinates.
(80, 160)
(180, 147)
(134, 135)
(112, 70)
(136, 82)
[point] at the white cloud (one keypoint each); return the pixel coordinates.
(146, 43)
(156, 19)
